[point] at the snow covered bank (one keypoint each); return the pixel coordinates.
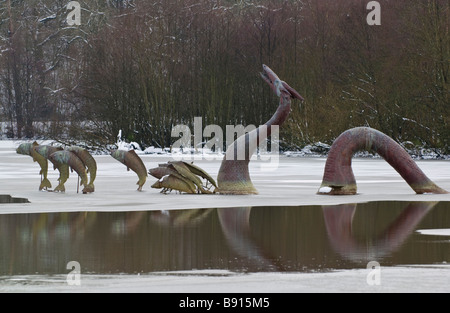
(317, 149)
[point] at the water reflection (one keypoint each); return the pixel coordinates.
(308, 238)
(235, 224)
(339, 220)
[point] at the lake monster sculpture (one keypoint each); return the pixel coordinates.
(338, 178)
(234, 177)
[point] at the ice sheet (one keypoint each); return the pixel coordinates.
(408, 279)
(295, 182)
(435, 232)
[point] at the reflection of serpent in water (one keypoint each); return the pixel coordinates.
(339, 179)
(339, 219)
(235, 223)
(233, 177)
(43, 233)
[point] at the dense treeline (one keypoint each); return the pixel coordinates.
(145, 66)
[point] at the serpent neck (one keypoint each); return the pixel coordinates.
(280, 115)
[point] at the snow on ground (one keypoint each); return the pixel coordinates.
(295, 181)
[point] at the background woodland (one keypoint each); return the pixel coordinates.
(145, 66)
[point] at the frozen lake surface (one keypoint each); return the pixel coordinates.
(286, 239)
